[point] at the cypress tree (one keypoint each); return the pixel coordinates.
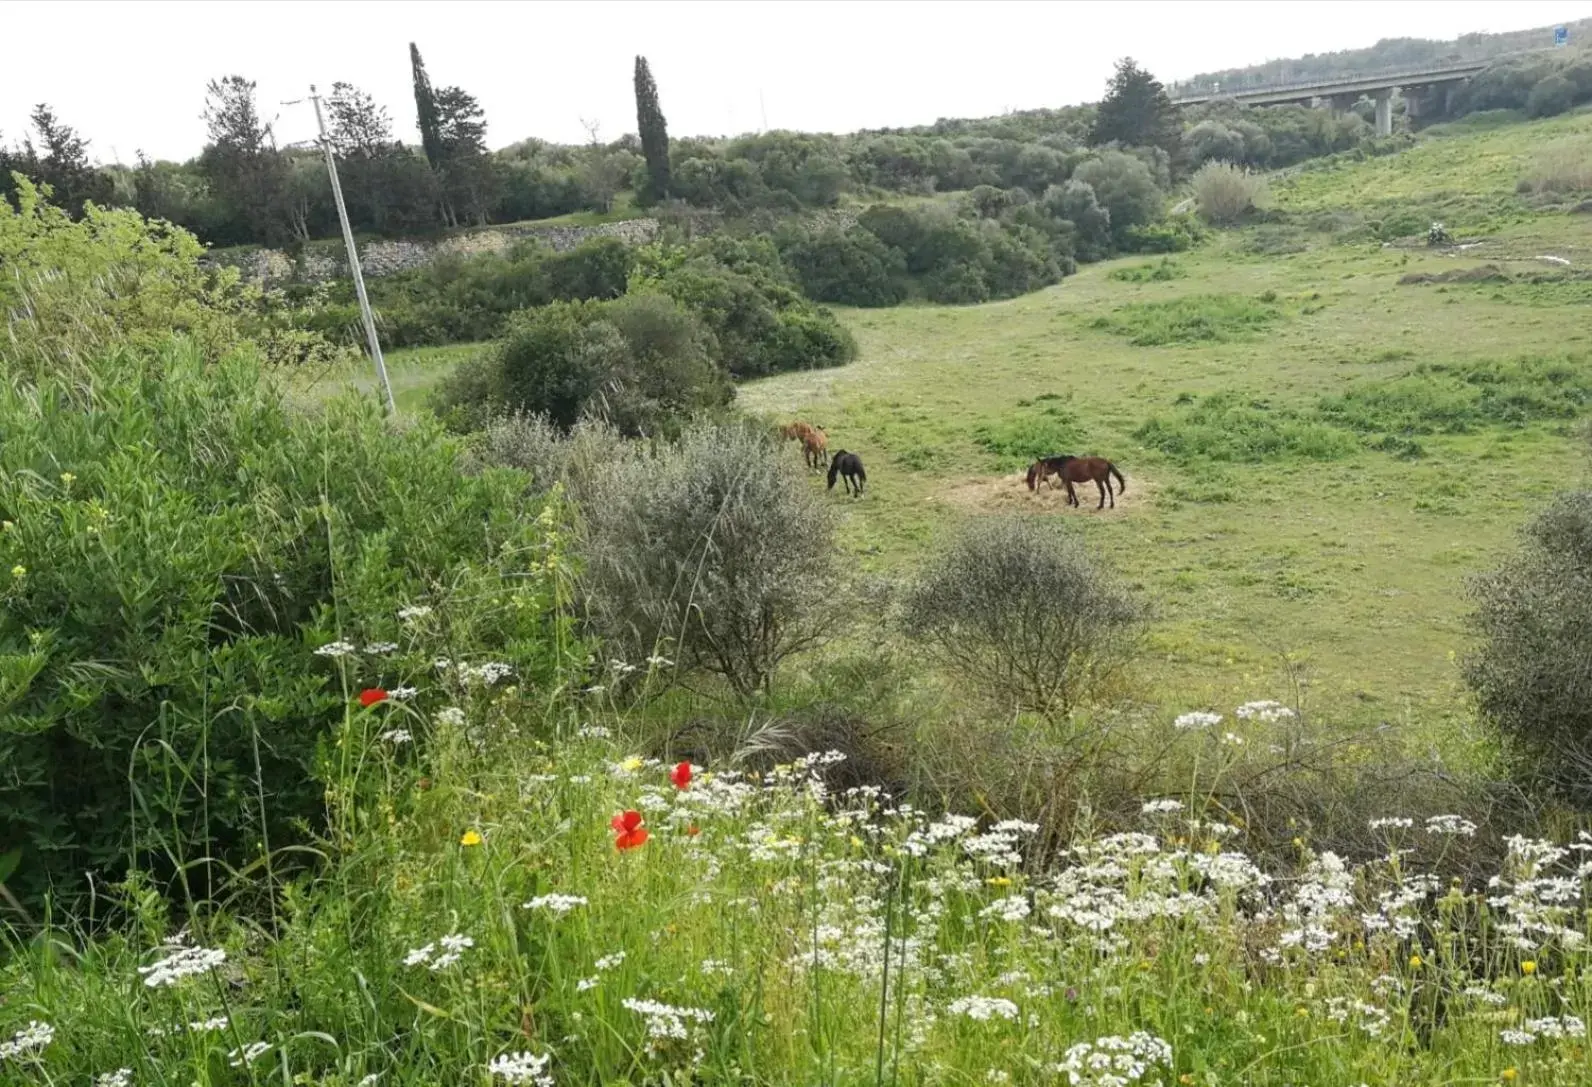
(426, 110)
(654, 134)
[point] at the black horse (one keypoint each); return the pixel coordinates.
(848, 465)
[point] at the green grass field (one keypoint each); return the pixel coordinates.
(1259, 522)
(1317, 454)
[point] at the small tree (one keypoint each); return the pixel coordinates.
(654, 133)
(713, 551)
(1020, 611)
(426, 110)
(1532, 673)
(1225, 193)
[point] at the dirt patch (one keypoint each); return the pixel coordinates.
(1010, 494)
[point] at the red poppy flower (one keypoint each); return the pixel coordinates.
(372, 695)
(681, 775)
(628, 831)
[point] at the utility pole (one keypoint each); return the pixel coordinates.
(353, 260)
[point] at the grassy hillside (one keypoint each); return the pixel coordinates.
(1315, 457)
(1317, 454)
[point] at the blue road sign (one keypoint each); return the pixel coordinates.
(1561, 35)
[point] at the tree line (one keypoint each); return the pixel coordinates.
(245, 189)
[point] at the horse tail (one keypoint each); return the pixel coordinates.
(1122, 484)
(834, 469)
(862, 473)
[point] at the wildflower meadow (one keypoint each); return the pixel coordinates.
(506, 909)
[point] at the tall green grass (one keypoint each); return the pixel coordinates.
(1203, 318)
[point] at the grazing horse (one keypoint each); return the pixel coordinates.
(1070, 470)
(848, 465)
(814, 442)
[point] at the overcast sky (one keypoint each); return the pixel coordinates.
(131, 75)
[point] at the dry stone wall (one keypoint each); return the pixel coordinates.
(321, 261)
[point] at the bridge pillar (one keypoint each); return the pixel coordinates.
(1384, 111)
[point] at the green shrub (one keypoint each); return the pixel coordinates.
(1161, 271)
(1530, 672)
(1200, 318)
(641, 361)
(1223, 427)
(73, 289)
(179, 543)
(599, 268)
(1126, 188)
(851, 267)
(1023, 439)
(1451, 399)
(1551, 97)
(1019, 611)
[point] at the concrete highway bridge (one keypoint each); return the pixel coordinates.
(1425, 91)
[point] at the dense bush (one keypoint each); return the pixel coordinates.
(740, 290)
(1225, 194)
(711, 551)
(461, 299)
(1126, 188)
(642, 361)
(1550, 97)
(178, 544)
(72, 289)
(1532, 670)
(1020, 611)
(852, 267)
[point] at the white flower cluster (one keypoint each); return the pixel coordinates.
(1451, 825)
(1391, 822)
(1195, 721)
(1114, 1061)
(1265, 711)
(523, 1068)
(1161, 807)
(27, 1041)
(336, 650)
(556, 904)
(413, 613)
(665, 1021)
(453, 948)
(185, 963)
(396, 736)
(982, 1008)
(122, 1077)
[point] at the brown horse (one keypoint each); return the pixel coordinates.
(1070, 470)
(815, 444)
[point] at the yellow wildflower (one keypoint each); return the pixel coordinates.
(1508, 1075)
(999, 881)
(68, 478)
(1415, 962)
(470, 838)
(7, 525)
(1528, 967)
(632, 764)
(19, 571)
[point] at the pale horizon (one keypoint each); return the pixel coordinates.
(131, 76)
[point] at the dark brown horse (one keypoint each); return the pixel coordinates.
(1070, 470)
(848, 465)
